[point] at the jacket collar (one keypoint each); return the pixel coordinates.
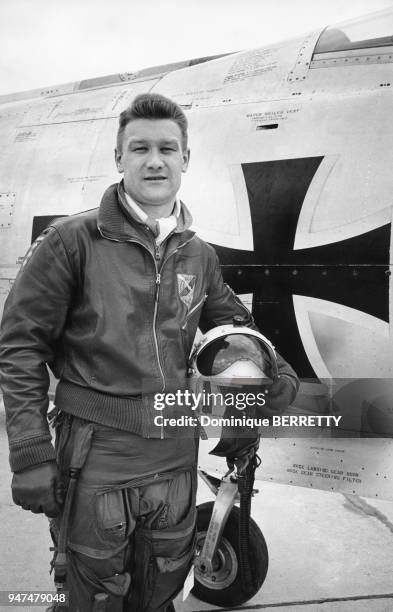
(116, 220)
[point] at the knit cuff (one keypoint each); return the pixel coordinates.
(26, 453)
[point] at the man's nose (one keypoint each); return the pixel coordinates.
(154, 159)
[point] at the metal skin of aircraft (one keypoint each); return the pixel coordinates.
(290, 179)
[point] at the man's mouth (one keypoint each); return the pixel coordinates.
(155, 178)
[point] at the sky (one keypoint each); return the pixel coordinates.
(49, 42)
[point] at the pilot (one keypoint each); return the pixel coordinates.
(110, 299)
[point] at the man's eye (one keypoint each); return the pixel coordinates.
(168, 149)
(139, 149)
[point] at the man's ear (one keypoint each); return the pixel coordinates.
(119, 160)
(186, 160)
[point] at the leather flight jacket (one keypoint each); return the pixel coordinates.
(113, 315)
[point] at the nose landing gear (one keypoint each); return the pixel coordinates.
(218, 576)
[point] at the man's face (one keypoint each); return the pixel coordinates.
(152, 160)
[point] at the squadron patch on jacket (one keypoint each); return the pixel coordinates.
(186, 286)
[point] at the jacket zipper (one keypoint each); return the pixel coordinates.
(157, 293)
(158, 282)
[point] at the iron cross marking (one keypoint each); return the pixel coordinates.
(352, 272)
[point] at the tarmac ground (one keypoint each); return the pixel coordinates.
(328, 552)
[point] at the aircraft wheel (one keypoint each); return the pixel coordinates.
(225, 587)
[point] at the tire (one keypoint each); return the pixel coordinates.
(228, 587)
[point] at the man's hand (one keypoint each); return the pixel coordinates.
(278, 396)
(39, 489)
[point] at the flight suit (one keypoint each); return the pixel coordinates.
(132, 538)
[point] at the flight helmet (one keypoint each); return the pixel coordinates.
(238, 360)
(234, 355)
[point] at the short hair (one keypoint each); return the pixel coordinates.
(152, 106)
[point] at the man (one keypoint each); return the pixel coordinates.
(111, 300)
